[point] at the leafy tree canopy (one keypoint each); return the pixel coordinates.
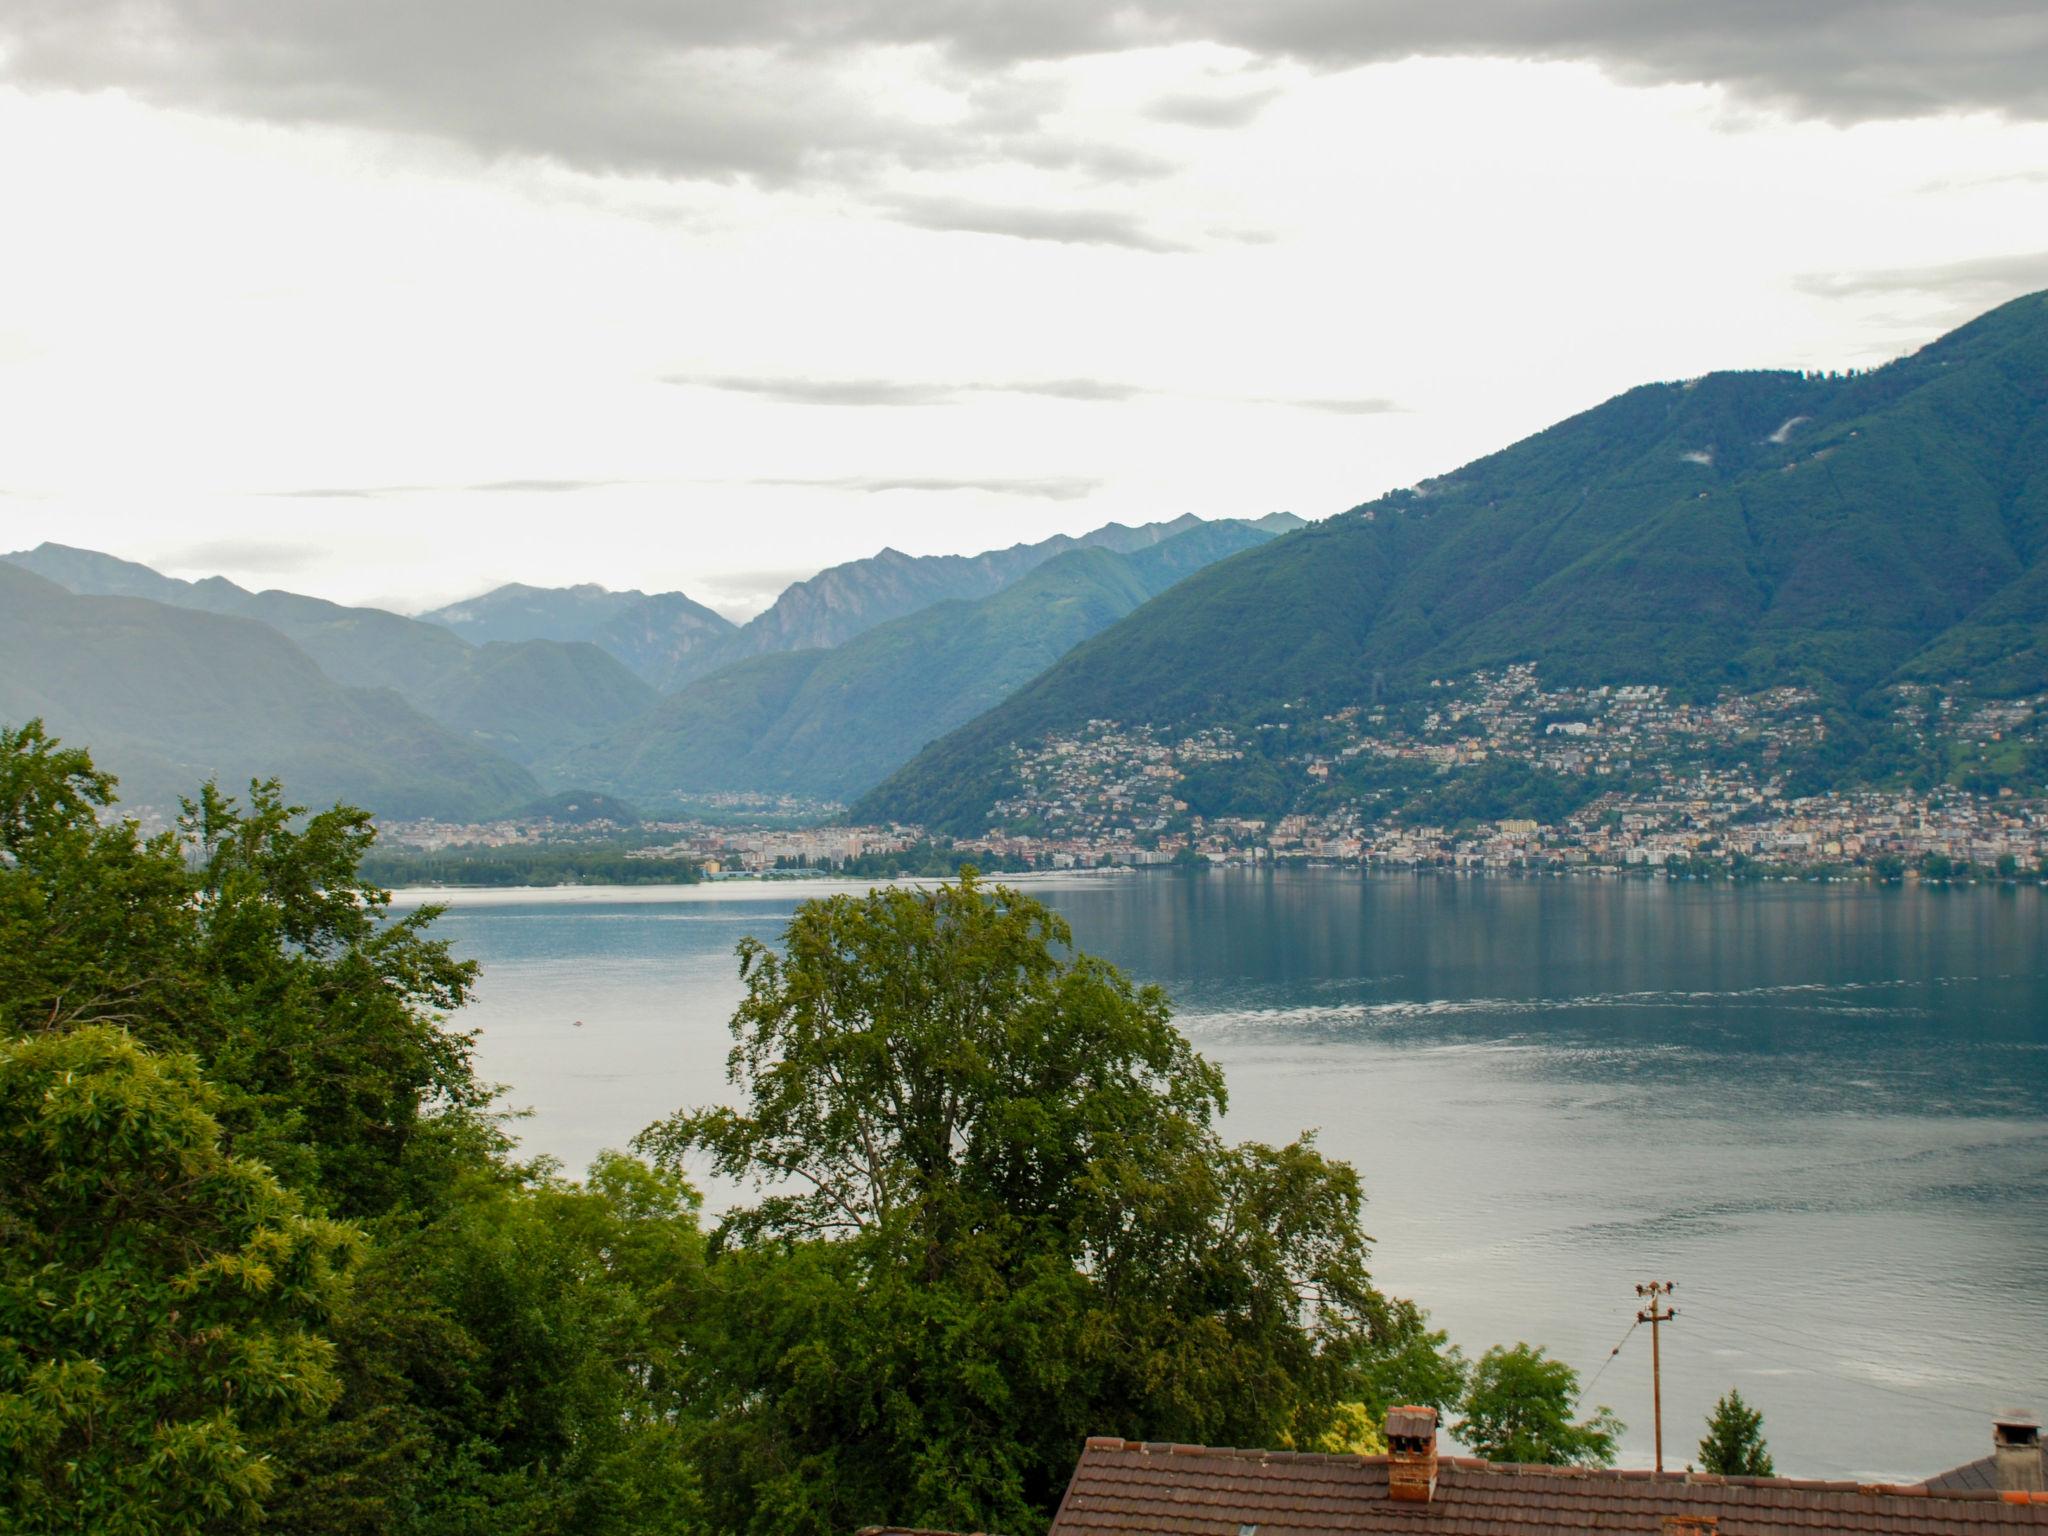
(159, 1299)
(203, 1037)
(1519, 1406)
(247, 938)
(1036, 1231)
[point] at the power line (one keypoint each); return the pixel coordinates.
(1632, 1327)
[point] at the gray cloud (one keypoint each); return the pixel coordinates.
(1982, 280)
(798, 391)
(1067, 226)
(898, 392)
(242, 555)
(544, 487)
(1053, 487)
(1044, 488)
(480, 487)
(1194, 109)
(1072, 389)
(752, 87)
(1994, 179)
(1365, 405)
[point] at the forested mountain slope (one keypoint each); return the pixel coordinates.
(1742, 530)
(837, 604)
(832, 722)
(526, 700)
(168, 697)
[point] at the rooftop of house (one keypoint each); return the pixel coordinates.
(2015, 1461)
(1134, 1488)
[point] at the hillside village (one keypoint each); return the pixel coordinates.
(1494, 772)
(1639, 778)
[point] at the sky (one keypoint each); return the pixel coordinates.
(394, 300)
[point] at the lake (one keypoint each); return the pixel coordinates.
(1822, 1110)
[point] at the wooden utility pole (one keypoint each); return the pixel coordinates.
(1657, 1291)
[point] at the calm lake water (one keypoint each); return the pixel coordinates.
(1822, 1110)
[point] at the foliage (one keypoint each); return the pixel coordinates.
(503, 1356)
(266, 1255)
(512, 1364)
(159, 1299)
(1734, 1444)
(252, 943)
(1519, 1407)
(1032, 1230)
(579, 862)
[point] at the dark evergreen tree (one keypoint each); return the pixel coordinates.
(1734, 1446)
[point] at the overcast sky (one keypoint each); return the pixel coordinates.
(393, 300)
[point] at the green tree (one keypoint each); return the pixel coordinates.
(512, 1364)
(160, 1300)
(248, 939)
(1734, 1446)
(995, 1217)
(1519, 1406)
(507, 1354)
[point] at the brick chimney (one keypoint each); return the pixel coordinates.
(2015, 1453)
(1411, 1454)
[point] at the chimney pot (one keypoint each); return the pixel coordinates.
(1411, 1454)
(2016, 1454)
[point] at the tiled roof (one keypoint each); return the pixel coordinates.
(1980, 1475)
(1131, 1488)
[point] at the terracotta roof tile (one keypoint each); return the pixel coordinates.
(1126, 1488)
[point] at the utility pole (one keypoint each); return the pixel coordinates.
(1657, 1291)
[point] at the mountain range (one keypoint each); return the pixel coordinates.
(481, 706)
(667, 639)
(1746, 530)
(829, 723)
(1848, 536)
(169, 696)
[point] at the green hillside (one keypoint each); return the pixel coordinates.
(167, 697)
(830, 723)
(1743, 530)
(534, 699)
(843, 601)
(528, 700)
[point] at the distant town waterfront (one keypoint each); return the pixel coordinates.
(1823, 1110)
(1495, 772)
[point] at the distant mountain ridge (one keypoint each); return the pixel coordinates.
(659, 635)
(668, 639)
(1742, 530)
(178, 679)
(830, 723)
(525, 700)
(840, 602)
(169, 696)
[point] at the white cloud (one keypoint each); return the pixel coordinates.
(452, 362)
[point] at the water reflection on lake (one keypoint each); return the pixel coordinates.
(1822, 1110)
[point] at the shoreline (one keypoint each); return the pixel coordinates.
(752, 883)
